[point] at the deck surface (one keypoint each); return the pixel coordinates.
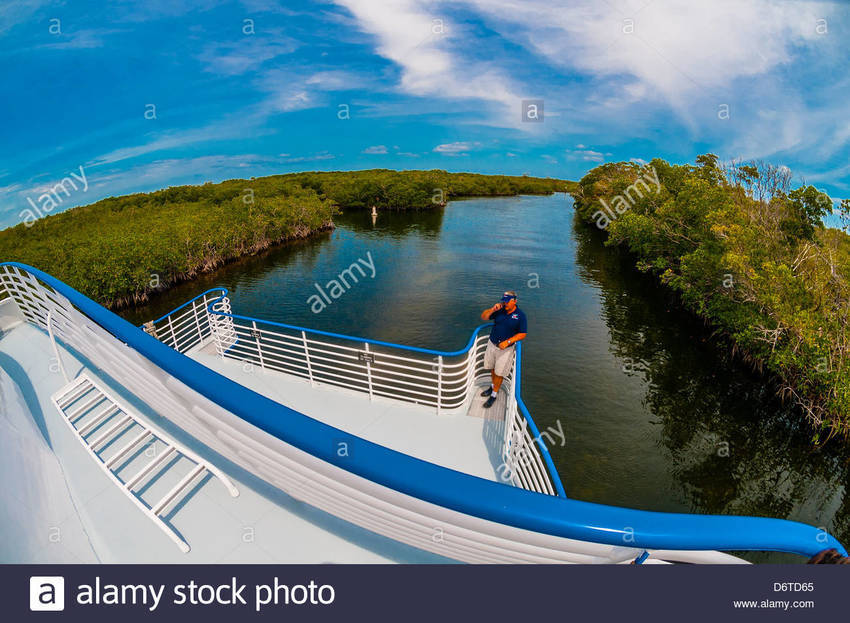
(262, 525)
(467, 442)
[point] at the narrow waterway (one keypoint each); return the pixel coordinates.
(656, 413)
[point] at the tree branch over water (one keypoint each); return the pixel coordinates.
(751, 255)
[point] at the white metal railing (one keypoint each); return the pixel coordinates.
(520, 451)
(377, 369)
(382, 491)
(445, 382)
(328, 487)
(187, 326)
(437, 381)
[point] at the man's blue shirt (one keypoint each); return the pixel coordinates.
(507, 325)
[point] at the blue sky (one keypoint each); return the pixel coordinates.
(241, 89)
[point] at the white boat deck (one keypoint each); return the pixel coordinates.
(262, 525)
(468, 442)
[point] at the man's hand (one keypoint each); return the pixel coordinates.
(485, 315)
(505, 344)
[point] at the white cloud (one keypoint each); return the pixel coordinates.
(336, 80)
(312, 158)
(408, 35)
(159, 172)
(246, 54)
(288, 91)
(284, 93)
(677, 47)
(682, 56)
(838, 177)
(588, 155)
(14, 13)
(375, 149)
(458, 148)
(11, 188)
(223, 129)
(80, 39)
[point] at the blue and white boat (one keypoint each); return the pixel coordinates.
(210, 437)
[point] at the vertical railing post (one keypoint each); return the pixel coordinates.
(212, 319)
(368, 370)
(471, 356)
(197, 322)
(307, 357)
(256, 333)
(173, 337)
(439, 383)
(511, 410)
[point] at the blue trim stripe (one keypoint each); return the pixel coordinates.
(550, 465)
(224, 292)
(190, 301)
(451, 489)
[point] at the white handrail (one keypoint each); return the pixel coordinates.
(446, 384)
(55, 348)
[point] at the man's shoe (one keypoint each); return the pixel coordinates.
(490, 401)
(487, 391)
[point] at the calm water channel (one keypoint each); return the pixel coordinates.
(657, 415)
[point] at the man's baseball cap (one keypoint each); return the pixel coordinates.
(507, 297)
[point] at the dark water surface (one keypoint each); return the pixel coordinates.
(656, 413)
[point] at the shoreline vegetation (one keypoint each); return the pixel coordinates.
(121, 250)
(749, 255)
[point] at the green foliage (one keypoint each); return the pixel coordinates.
(810, 206)
(118, 250)
(403, 190)
(749, 256)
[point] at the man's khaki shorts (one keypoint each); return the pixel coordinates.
(497, 359)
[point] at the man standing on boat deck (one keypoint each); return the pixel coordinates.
(509, 327)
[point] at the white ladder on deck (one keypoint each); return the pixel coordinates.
(96, 418)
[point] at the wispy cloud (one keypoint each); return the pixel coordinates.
(287, 90)
(237, 57)
(311, 158)
(166, 141)
(375, 149)
(587, 155)
(421, 41)
(686, 57)
(11, 188)
(283, 93)
(14, 13)
(80, 39)
(458, 148)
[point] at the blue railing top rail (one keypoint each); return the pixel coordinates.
(224, 292)
(550, 465)
(461, 492)
(187, 303)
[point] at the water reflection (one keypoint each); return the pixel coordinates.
(734, 447)
(393, 223)
(301, 255)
